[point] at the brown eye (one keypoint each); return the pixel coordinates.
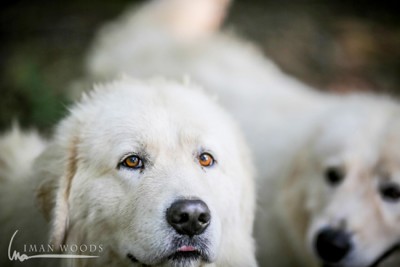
(390, 192)
(206, 160)
(132, 162)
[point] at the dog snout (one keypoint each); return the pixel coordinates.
(189, 217)
(332, 245)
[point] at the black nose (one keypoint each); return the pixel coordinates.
(189, 217)
(332, 245)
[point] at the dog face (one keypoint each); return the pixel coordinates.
(354, 192)
(155, 172)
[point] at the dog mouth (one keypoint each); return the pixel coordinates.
(183, 252)
(187, 249)
(385, 255)
(186, 253)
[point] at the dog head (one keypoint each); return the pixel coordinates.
(352, 184)
(156, 172)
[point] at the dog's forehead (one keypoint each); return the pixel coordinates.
(148, 115)
(353, 134)
(157, 110)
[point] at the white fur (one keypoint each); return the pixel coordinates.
(93, 201)
(18, 209)
(231, 68)
(352, 133)
(292, 130)
(18, 162)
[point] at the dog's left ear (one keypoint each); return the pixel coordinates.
(57, 168)
(294, 188)
(61, 210)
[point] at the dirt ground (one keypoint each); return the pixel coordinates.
(333, 45)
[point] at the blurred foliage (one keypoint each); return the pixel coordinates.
(33, 99)
(42, 50)
(333, 45)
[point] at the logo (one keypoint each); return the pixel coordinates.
(46, 251)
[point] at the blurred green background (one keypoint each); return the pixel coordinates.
(337, 46)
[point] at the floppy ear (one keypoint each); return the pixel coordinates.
(294, 194)
(57, 167)
(60, 212)
(294, 190)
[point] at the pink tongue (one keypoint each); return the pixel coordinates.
(186, 248)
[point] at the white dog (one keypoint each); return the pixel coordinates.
(297, 135)
(334, 198)
(151, 173)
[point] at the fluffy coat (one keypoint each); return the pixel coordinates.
(296, 134)
(91, 199)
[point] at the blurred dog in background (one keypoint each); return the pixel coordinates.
(328, 165)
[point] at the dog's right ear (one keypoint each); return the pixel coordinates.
(57, 167)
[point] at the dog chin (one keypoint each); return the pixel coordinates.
(348, 264)
(176, 259)
(383, 257)
(343, 264)
(187, 258)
